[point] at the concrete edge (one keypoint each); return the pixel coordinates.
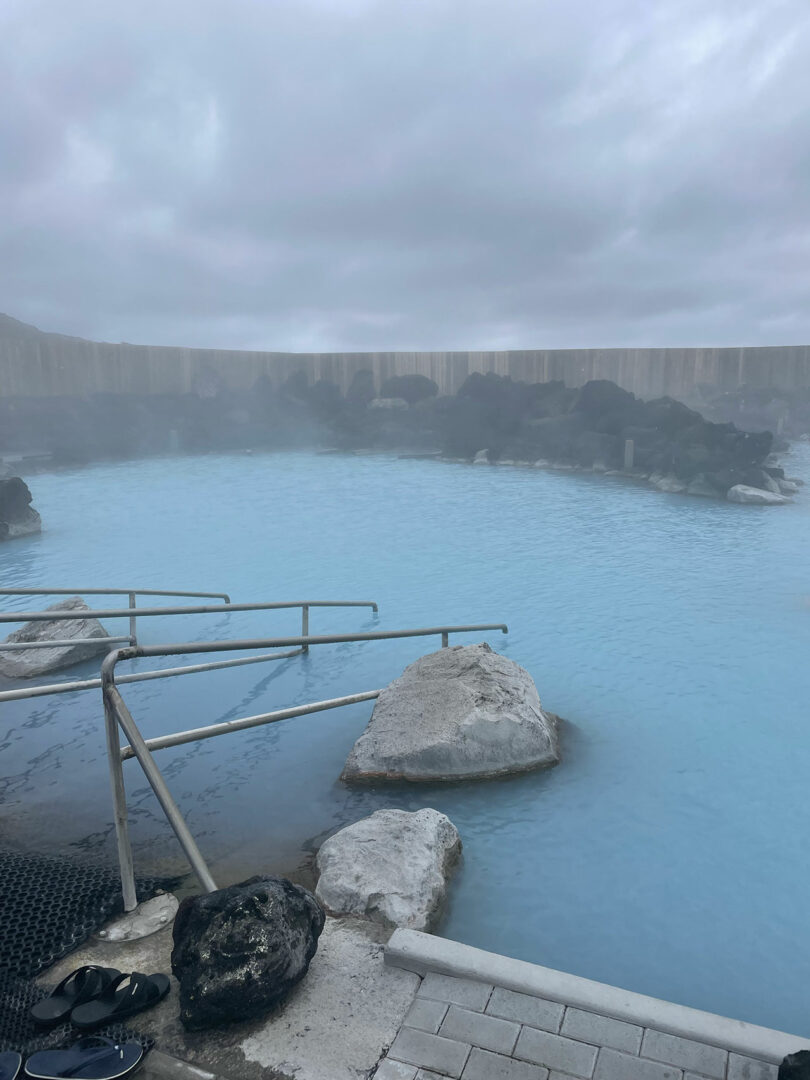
(165, 1067)
(424, 953)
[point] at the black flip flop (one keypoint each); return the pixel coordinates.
(10, 1062)
(120, 1001)
(93, 1058)
(79, 986)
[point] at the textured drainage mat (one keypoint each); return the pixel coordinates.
(48, 907)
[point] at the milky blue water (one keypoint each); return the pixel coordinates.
(669, 852)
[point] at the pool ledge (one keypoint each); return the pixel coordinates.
(424, 953)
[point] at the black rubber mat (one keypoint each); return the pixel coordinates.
(49, 906)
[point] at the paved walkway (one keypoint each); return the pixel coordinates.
(478, 1029)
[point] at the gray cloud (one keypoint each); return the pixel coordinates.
(330, 174)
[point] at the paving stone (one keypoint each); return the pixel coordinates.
(685, 1053)
(525, 1009)
(423, 1074)
(613, 1065)
(746, 1068)
(482, 1065)
(426, 1015)
(394, 1070)
(556, 1052)
(601, 1030)
(485, 1031)
(466, 992)
(430, 1051)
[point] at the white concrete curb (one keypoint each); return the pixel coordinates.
(422, 953)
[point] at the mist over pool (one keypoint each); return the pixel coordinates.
(666, 854)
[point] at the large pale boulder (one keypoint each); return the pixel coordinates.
(239, 951)
(28, 663)
(742, 493)
(463, 712)
(392, 867)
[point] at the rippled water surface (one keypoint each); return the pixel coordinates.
(668, 853)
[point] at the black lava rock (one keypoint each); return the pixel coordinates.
(239, 951)
(795, 1066)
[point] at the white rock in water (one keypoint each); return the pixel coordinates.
(463, 712)
(392, 867)
(481, 458)
(668, 483)
(702, 488)
(28, 663)
(742, 493)
(788, 487)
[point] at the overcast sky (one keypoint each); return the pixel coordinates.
(371, 174)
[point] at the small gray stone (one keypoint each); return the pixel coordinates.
(525, 1009)
(430, 1051)
(746, 1068)
(685, 1053)
(467, 992)
(556, 1052)
(481, 458)
(463, 712)
(482, 1065)
(394, 1070)
(613, 1065)
(426, 1015)
(28, 663)
(602, 1030)
(392, 867)
(485, 1031)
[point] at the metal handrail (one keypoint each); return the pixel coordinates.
(203, 609)
(132, 612)
(38, 590)
(116, 714)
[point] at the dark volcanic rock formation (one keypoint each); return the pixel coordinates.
(677, 448)
(17, 516)
(239, 951)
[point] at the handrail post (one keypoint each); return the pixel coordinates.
(120, 808)
(445, 639)
(305, 625)
(132, 629)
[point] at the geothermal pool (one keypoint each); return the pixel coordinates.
(668, 853)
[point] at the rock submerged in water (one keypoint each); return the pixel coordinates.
(742, 493)
(17, 516)
(464, 712)
(392, 867)
(239, 951)
(28, 663)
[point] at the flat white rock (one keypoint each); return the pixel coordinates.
(742, 493)
(463, 712)
(392, 867)
(28, 663)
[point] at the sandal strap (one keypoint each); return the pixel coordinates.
(87, 981)
(90, 1058)
(140, 991)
